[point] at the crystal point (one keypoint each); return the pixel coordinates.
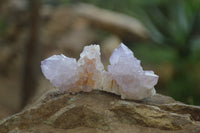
(91, 66)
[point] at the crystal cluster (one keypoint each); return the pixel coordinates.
(91, 66)
(126, 70)
(72, 76)
(61, 71)
(125, 75)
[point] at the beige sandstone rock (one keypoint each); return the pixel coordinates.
(103, 112)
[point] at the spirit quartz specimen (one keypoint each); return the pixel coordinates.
(125, 75)
(126, 70)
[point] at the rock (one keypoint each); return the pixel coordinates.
(65, 32)
(103, 112)
(4, 112)
(126, 27)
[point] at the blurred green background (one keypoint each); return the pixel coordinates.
(31, 30)
(174, 28)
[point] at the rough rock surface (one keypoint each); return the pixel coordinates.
(103, 112)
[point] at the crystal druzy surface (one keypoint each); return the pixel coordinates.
(125, 75)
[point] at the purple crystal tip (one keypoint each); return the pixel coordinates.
(129, 74)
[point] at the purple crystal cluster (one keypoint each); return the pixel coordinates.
(129, 75)
(60, 70)
(74, 76)
(125, 75)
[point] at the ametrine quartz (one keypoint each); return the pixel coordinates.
(125, 69)
(61, 71)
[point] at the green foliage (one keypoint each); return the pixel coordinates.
(152, 54)
(176, 25)
(3, 26)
